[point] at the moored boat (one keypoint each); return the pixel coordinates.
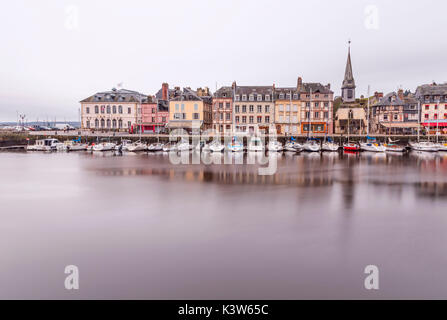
(155, 147)
(312, 145)
(104, 146)
(426, 146)
(353, 147)
(137, 146)
(255, 144)
(44, 145)
(275, 145)
(293, 146)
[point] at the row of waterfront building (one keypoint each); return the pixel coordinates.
(295, 110)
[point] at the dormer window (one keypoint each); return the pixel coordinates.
(237, 97)
(281, 96)
(244, 97)
(259, 97)
(288, 96)
(252, 97)
(295, 96)
(267, 97)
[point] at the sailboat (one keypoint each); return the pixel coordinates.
(156, 146)
(235, 145)
(427, 146)
(293, 146)
(391, 146)
(349, 146)
(311, 145)
(329, 145)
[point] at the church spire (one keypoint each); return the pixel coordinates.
(348, 87)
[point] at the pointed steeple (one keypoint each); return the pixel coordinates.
(348, 87)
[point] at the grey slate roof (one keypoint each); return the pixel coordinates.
(190, 95)
(117, 95)
(431, 90)
(316, 87)
(224, 92)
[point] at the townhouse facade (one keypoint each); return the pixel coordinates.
(317, 108)
(432, 99)
(253, 108)
(223, 109)
(190, 109)
(117, 109)
(287, 111)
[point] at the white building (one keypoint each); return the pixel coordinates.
(118, 109)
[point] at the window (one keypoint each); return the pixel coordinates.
(163, 119)
(288, 107)
(259, 96)
(244, 119)
(114, 109)
(267, 119)
(267, 97)
(108, 123)
(227, 116)
(252, 97)
(129, 124)
(259, 119)
(220, 105)
(120, 109)
(96, 123)
(281, 96)
(326, 115)
(153, 110)
(227, 105)
(88, 124)
(103, 109)
(395, 117)
(96, 109)
(286, 128)
(307, 104)
(177, 107)
(196, 107)
(196, 116)
(244, 97)
(385, 117)
(295, 108)
(237, 119)
(244, 109)
(326, 104)
(295, 119)
(252, 108)
(436, 116)
(153, 119)
(317, 104)
(177, 116)
(183, 107)
(288, 96)
(307, 114)
(129, 110)
(295, 96)
(267, 109)
(281, 107)
(120, 123)
(317, 115)
(114, 123)
(108, 109)
(427, 107)
(103, 124)
(236, 109)
(281, 119)
(251, 119)
(436, 107)
(259, 109)
(426, 116)
(294, 129)
(221, 116)
(237, 97)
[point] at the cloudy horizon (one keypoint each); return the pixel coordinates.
(57, 53)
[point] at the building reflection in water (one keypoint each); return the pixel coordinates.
(424, 172)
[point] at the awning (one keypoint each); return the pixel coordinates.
(434, 123)
(400, 124)
(184, 124)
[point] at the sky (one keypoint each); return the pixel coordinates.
(56, 53)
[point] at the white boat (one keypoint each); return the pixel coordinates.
(155, 147)
(77, 146)
(424, 146)
(255, 144)
(137, 146)
(442, 146)
(391, 147)
(104, 146)
(216, 146)
(170, 146)
(293, 146)
(372, 147)
(330, 146)
(44, 145)
(235, 145)
(183, 146)
(275, 145)
(312, 146)
(123, 145)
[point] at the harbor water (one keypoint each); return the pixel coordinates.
(138, 226)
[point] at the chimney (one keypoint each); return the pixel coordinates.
(164, 91)
(233, 86)
(299, 84)
(400, 94)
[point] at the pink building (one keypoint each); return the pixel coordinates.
(155, 112)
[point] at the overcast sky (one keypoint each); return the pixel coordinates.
(55, 53)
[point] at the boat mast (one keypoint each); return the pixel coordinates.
(310, 109)
(367, 119)
(419, 118)
(437, 121)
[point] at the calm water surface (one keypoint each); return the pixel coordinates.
(138, 226)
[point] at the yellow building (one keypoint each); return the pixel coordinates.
(287, 111)
(189, 109)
